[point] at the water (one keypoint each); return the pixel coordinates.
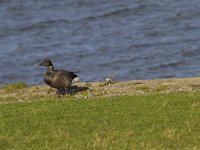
(134, 39)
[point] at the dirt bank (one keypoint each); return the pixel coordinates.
(103, 89)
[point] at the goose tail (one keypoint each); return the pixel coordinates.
(75, 77)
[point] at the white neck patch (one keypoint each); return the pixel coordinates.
(50, 66)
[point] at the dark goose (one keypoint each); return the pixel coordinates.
(58, 78)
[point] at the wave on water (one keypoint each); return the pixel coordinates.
(137, 39)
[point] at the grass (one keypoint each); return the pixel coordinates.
(157, 121)
(14, 86)
(161, 88)
(143, 88)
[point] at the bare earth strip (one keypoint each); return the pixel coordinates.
(103, 89)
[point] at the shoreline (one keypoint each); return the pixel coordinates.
(94, 90)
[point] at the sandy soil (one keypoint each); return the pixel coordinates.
(103, 89)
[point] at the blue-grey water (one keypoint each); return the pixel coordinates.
(135, 39)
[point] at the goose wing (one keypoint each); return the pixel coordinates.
(64, 78)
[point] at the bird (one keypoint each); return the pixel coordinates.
(58, 78)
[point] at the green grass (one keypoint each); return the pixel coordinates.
(143, 88)
(161, 88)
(163, 121)
(14, 86)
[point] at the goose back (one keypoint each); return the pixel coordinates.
(59, 78)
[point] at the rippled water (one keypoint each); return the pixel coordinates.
(134, 39)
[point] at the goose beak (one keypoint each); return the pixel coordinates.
(41, 64)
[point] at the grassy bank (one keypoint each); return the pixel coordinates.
(142, 114)
(154, 121)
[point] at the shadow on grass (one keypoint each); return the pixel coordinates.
(73, 90)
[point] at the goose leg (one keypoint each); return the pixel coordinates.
(61, 91)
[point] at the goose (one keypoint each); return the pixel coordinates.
(58, 78)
